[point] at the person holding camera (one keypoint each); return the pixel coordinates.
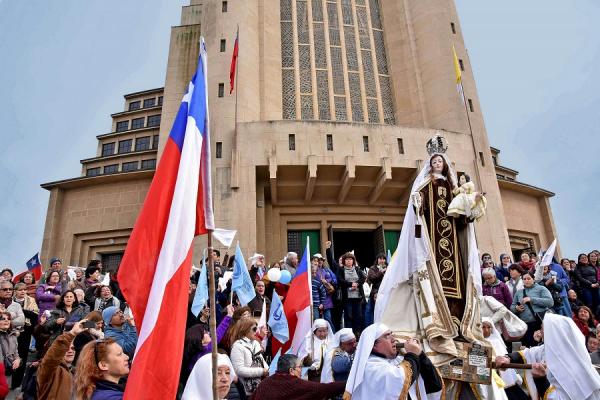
(55, 372)
(379, 370)
(121, 329)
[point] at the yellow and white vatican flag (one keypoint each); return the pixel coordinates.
(458, 73)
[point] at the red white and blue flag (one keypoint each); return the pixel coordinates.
(32, 265)
(298, 307)
(154, 273)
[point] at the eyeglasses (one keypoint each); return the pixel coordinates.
(254, 328)
(4, 318)
(6, 289)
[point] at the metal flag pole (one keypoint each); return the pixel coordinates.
(471, 132)
(213, 313)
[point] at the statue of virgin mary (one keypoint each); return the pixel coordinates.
(433, 282)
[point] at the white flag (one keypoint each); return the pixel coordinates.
(224, 236)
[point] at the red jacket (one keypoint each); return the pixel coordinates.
(3, 383)
(286, 386)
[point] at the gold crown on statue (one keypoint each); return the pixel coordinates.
(437, 145)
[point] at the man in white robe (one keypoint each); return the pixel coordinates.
(317, 344)
(379, 372)
(561, 367)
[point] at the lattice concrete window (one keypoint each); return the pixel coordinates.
(323, 95)
(356, 98)
(306, 106)
(355, 59)
(340, 108)
(288, 84)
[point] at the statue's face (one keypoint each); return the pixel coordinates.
(437, 164)
(462, 180)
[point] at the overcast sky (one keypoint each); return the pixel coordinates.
(65, 65)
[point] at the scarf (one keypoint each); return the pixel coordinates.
(6, 302)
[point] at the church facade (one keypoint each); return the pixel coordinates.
(321, 139)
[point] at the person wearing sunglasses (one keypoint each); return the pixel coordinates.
(247, 356)
(8, 344)
(101, 366)
(55, 372)
(7, 304)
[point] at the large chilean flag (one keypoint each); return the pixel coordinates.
(298, 307)
(154, 273)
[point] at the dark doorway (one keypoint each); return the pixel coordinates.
(362, 242)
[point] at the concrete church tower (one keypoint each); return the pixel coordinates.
(336, 99)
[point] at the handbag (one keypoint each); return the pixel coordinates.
(539, 316)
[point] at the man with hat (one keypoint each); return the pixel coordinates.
(378, 369)
(122, 330)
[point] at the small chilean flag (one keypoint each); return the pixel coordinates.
(155, 272)
(234, 57)
(32, 265)
(298, 307)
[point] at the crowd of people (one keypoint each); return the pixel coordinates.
(72, 336)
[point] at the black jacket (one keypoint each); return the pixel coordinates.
(586, 275)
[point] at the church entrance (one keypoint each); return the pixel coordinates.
(361, 241)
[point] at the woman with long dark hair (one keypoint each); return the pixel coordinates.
(67, 312)
(101, 365)
(530, 304)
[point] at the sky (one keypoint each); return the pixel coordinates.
(66, 64)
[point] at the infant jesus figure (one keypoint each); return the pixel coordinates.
(467, 201)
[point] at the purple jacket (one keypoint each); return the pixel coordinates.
(499, 291)
(45, 297)
(221, 330)
(329, 276)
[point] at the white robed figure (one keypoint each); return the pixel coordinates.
(200, 385)
(378, 372)
(344, 335)
(316, 344)
(563, 359)
(433, 282)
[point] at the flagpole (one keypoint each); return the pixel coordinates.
(235, 173)
(471, 131)
(213, 313)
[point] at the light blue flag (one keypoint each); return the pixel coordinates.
(389, 256)
(273, 366)
(241, 282)
(278, 321)
(201, 295)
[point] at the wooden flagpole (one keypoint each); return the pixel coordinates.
(213, 313)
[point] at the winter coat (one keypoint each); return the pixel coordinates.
(586, 275)
(499, 291)
(9, 347)
(54, 377)
(541, 301)
(3, 383)
(126, 336)
(77, 314)
(242, 353)
(374, 277)
(16, 314)
(106, 390)
(344, 285)
(329, 276)
(45, 297)
(30, 310)
(100, 304)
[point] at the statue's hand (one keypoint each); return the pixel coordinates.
(417, 199)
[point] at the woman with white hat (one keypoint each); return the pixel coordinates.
(199, 385)
(316, 344)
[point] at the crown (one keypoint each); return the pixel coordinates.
(437, 145)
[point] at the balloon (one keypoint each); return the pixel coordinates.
(274, 274)
(286, 277)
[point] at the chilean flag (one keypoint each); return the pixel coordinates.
(298, 307)
(32, 265)
(154, 273)
(234, 57)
